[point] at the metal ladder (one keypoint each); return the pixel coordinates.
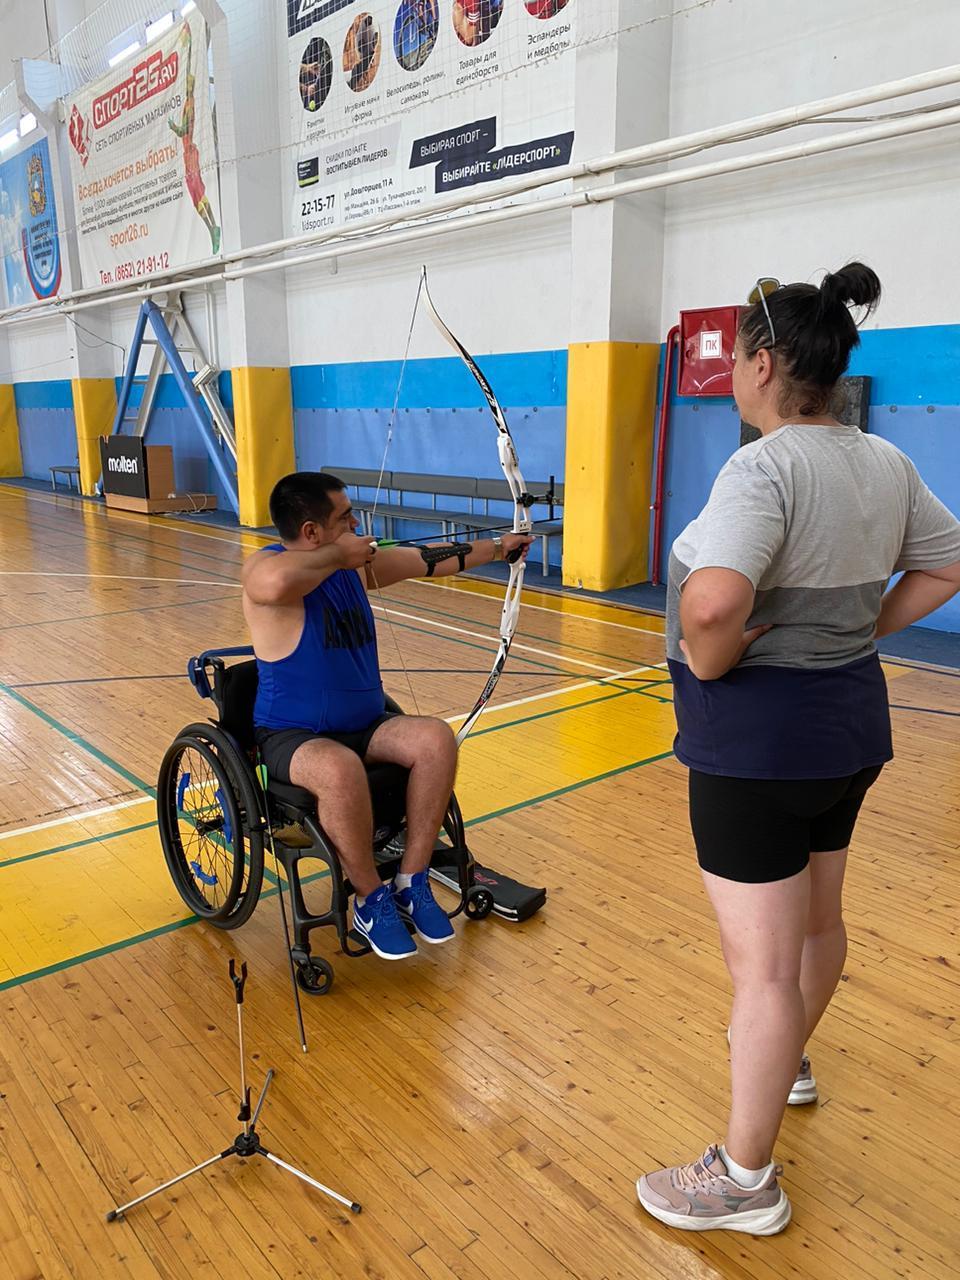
(204, 378)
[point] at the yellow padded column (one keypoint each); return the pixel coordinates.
(11, 463)
(263, 416)
(611, 406)
(94, 409)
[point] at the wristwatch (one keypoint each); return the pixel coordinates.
(497, 547)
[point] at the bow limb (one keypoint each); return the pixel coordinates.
(522, 501)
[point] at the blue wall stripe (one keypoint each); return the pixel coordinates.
(908, 366)
(911, 366)
(48, 438)
(535, 377)
(704, 434)
(44, 395)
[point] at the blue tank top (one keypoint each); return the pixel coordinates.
(331, 682)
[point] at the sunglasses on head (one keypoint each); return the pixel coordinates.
(760, 292)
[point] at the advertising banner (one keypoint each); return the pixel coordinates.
(29, 236)
(394, 103)
(143, 161)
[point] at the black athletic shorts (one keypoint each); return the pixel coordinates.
(278, 745)
(756, 830)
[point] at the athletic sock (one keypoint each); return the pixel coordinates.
(402, 880)
(749, 1179)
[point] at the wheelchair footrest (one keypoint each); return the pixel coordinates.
(511, 900)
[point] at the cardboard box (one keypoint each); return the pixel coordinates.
(152, 506)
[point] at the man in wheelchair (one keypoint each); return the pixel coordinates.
(320, 713)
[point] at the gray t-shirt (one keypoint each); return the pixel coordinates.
(818, 518)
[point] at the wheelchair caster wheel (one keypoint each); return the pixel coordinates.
(479, 904)
(315, 977)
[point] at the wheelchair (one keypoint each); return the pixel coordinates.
(215, 816)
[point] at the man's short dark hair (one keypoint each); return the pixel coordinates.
(302, 496)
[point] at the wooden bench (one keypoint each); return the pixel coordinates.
(452, 520)
(69, 472)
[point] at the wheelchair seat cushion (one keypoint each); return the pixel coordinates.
(388, 796)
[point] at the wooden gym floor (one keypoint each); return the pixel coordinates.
(490, 1105)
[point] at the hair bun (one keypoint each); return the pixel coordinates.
(854, 283)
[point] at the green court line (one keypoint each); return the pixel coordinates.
(76, 844)
(509, 724)
(529, 635)
(126, 942)
(78, 741)
(179, 924)
(128, 537)
(51, 684)
(112, 544)
(491, 652)
(94, 955)
(571, 786)
(590, 702)
(116, 613)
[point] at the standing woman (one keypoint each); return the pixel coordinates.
(776, 595)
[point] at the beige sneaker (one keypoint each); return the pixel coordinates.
(804, 1088)
(703, 1197)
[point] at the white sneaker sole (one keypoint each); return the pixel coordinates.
(425, 937)
(802, 1094)
(754, 1222)
(434, 942)
(384, 955)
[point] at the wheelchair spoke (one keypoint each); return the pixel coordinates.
(204, 824)
(210, 825)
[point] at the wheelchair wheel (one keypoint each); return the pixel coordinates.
(210, 826)
(315, 976)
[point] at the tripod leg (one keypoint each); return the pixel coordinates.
(352, 1205)
(124, 1208)
(262, 1099)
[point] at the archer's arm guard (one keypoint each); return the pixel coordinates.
(432, 556)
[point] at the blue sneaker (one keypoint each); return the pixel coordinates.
(418, 906)
(378, 923)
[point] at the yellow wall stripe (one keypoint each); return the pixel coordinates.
(94, 409)
(11, 463)
(611, 402)
(263, 412)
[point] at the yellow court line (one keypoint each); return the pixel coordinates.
(81, 826)
(216, 533)
(103, 894)
(572, 606)
(575, 606)
(67, 819)
(893, 672)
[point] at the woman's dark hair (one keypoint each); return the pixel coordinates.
(302, 496)
(815, 333)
